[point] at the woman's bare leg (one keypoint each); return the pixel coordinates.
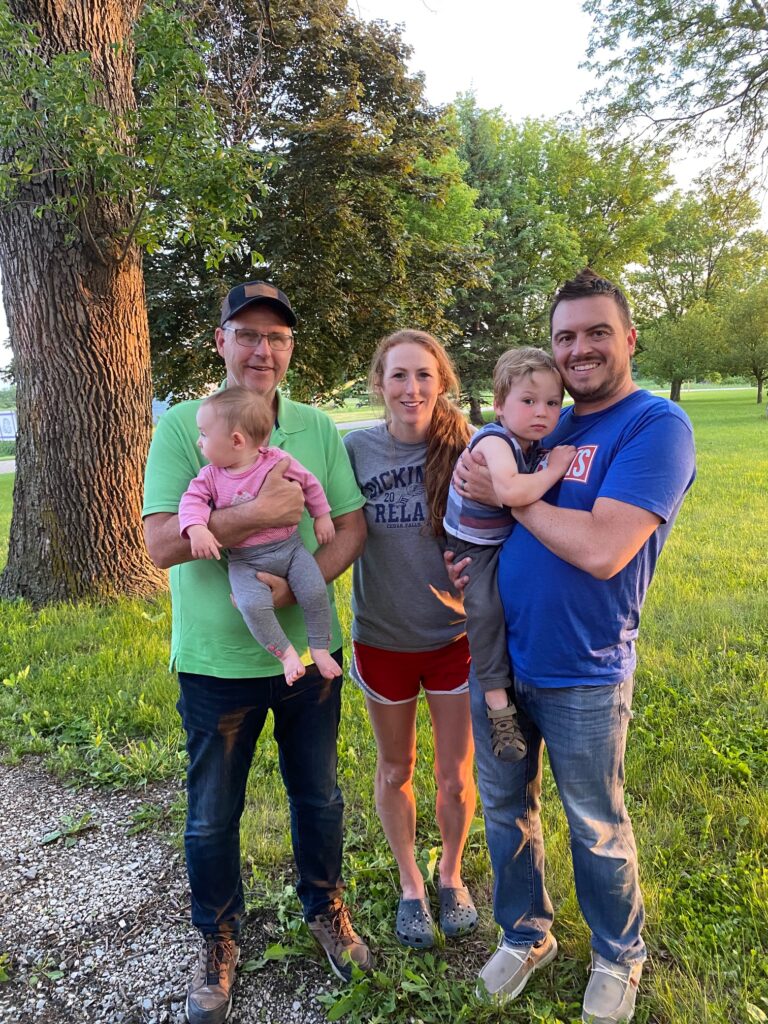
(454, 773)
(394, 728)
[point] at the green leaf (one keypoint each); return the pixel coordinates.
(153, 618)
(249, 966)
(277, 951)
(17, 677)
(427, 861)
(342, 1006)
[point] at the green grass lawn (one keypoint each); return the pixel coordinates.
(352, 413)
(87, 687)
(6, 503)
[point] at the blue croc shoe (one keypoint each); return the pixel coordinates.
(414, 925)
(458, 915)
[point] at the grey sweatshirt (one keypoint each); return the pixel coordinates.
(402, 598)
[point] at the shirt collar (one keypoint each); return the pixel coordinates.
(290, 416)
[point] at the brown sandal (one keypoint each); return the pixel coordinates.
(507, 740)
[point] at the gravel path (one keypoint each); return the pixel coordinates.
(97, 928)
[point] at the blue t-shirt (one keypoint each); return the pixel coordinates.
(564, 627)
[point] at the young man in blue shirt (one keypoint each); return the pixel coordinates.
(573, 577)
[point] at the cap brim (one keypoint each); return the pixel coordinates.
(285, 311)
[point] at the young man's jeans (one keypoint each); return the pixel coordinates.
(585, 730)
(223, 719)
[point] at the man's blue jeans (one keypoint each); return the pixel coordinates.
(585, 730)
(223, 719)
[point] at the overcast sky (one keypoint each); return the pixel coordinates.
(522, 57)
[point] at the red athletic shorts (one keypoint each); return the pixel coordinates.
(394, 677)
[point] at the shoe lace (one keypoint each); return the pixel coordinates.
(621, 974)
(340, 920)
(218, 952)
(520, 953)
(517, 954)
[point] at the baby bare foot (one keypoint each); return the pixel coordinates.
(292, 666)
(327, 666)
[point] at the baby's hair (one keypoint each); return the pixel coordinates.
(516, 364)
(243, 410)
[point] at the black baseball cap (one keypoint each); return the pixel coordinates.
(248, 294)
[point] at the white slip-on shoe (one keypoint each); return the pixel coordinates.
(507, 972)
(611, 991)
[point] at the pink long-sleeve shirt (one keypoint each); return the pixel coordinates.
(225, 488)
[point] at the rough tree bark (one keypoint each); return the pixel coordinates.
(78, 326)
(475, 411)
(675, 389)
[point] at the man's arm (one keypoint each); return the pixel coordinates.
(345, 547)
(280, 502)
(333, 558)
(600, 542)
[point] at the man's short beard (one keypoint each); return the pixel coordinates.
(605, 390)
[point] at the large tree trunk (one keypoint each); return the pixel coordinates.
(675, 389)
(78, 328)
(760, 390)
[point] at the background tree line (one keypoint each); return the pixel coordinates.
(377, 210)
(155, 152)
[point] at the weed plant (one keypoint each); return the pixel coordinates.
(87, 687)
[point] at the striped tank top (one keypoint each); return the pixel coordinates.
(485, 524)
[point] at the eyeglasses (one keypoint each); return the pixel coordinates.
(278, 341)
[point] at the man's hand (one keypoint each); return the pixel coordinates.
(203, 542)
(282, 595)
(325, 531)
(472, 478)
(333, 558)
(560, 458)
(283, 498)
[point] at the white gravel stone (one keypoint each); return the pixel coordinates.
(112, 912)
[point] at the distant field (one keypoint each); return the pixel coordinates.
(352, 411)
(87, 687)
